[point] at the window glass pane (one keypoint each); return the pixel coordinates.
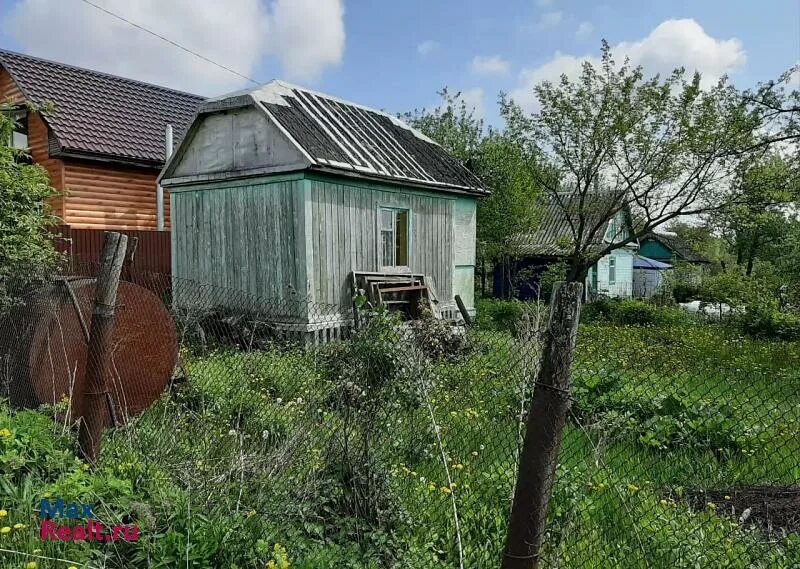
(19, 140)
(387, 219)
(401, 238)
(612, 271)
(387, 248)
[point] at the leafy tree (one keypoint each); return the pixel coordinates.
(498, 158)
(661, 148)
(761, 215)
(777, 106)
(26, 248)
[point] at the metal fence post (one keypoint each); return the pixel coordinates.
(545, 427)
(96, 398)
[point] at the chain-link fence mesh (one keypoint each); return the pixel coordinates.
(283, 436)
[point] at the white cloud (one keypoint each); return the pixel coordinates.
(473, 99)
(489, 65)
(584, 30)
(550, 19)
(671, 44)
(427, 47)
(306, 36)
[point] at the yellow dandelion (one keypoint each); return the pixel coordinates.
(459, 466)
(19, 526)
(633, 487)
(37, 551)
(445, 490)
(31, 565)
(663, 502)
(46, 495)
(5, 529)
(711, 506)
(474, 453)
(4, 433)
(3, 513)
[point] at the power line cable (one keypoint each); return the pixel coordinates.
(169, 41)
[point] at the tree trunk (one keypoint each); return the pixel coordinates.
(545, 429)
(751, 255)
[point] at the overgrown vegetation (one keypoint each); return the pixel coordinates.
(355, 455)
(26, 249)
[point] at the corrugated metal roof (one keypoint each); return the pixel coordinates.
(555, 235)
(101, 114)
(348, 137)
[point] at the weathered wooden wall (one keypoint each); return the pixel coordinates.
(245, 236)
(299, 236)
(345, 235)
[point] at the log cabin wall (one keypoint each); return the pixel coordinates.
(37, 141)
(100, 196)
(93, 195)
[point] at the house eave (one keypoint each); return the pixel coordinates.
(406, 182)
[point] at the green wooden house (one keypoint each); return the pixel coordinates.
(669, 248)
(283, 192)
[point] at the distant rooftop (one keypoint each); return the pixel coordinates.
(98, 114)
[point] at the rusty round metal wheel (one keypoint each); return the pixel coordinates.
(47, 348)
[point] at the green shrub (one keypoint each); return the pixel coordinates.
(768, 322)
(684, 292)
(496, 314)
(632, 312)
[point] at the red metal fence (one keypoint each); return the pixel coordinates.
(148, 251)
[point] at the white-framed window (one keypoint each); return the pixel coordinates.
(394, 224)
(612, 270)
(19, 135)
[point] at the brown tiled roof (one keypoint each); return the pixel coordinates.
(102, 115)
(555, 237)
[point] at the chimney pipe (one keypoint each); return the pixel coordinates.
(159, 189)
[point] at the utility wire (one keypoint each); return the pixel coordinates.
(169, 41)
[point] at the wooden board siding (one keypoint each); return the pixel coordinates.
(243, 237)
(94, 195)
(100, 196)
(464, 231)
(9, 92)
(345, 235)
(37, 140)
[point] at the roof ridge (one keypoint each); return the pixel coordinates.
(292, 86)
(100, 73)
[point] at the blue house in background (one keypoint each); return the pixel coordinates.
(552, 242)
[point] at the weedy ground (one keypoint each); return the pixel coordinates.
(379, 453)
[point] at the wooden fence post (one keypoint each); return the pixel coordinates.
(545, 428)
(96, 405)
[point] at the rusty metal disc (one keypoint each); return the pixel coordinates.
(48, 362)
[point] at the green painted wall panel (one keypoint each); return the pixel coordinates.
(654, 250)
(288, 237)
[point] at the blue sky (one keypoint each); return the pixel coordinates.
(396, 55)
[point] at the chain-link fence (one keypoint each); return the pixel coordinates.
(247, 432)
